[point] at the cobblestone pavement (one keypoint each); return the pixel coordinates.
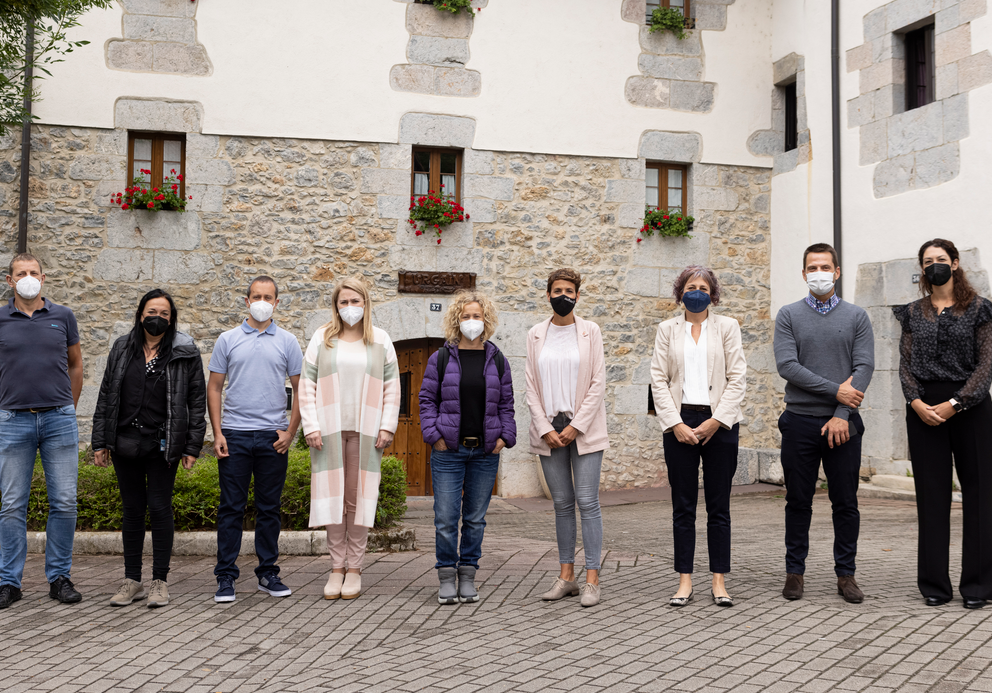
(397, 638)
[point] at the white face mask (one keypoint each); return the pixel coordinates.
(261, 310)
(820, 283)
(28, 287)
(472, 328)
(352, 314)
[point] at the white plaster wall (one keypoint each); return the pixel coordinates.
(884, 229)
(875, 230)
(553, 75)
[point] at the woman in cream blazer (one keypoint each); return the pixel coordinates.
(566, 388)
(698, 382)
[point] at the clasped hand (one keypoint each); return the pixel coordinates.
(702, 433)
(935, 415)
(560, 440)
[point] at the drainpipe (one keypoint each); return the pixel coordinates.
(22, 210)
(835, 113)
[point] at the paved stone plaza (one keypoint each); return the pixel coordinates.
(396, 637)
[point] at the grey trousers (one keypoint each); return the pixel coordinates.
(573, 478)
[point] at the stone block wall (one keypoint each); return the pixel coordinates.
(158, 36)
(438, 51)
(919, 148)
(672, 69)
(789, 70)
(311, 212)
(879, 287)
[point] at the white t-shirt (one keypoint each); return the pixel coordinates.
(695, 389)
(559, 368)
(352, 362)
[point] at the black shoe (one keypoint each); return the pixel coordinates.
(63, 590)
(935, 601)
(8, 595)
(970, 603)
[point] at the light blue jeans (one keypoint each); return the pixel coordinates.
(573, 478)
(22, 435)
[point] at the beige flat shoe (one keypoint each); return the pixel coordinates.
(352, 587)
(561, 589)
(332, 590)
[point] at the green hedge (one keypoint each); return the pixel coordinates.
(197, 495)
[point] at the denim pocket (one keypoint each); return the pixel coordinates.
(6, 414)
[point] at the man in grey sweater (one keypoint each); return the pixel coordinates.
(825, 350)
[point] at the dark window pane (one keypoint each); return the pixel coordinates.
(791, 118)
(405, 394)
(422, 161)
(448, 163)
(919, 68)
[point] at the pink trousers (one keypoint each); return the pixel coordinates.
(346, 542)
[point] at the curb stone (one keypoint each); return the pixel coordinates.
(305, 543)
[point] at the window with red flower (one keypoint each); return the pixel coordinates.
(434, 168)
(161, 153)
(665, 186)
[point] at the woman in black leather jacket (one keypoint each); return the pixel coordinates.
(150, 416)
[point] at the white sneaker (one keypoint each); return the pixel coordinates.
(129, 591)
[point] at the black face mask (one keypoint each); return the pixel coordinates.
(938, 273)
(562, 305)
(155, 325)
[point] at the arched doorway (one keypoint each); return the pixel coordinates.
(408, 444)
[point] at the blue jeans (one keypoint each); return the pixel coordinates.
(574, 478)
(463, 485)
(251, 453)
(22, 435)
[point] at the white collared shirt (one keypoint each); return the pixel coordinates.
(695, 389)
(559, 368)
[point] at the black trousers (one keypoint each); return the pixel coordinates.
(803, 448)
(719, 458)
(965, 437)
(146, 483)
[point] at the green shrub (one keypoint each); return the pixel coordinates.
(392, 493)
(454, 6)
(197, 496)
(668, 19)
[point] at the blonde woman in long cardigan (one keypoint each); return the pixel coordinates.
(349, 403)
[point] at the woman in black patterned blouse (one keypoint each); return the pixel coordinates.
(946, 369)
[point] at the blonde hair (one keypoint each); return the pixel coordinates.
(333, 328)
(453, 318)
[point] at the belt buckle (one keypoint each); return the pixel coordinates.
(34, 411)
(475, 439)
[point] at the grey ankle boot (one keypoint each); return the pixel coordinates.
(448, 592)
(466, 584)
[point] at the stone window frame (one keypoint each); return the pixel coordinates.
(786, 71)
(919, 148)
(157, 174)
(437, 52)
(672, 70)
(436, 178)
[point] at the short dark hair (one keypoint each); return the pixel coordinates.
(262, 278)
(690, 272)
(23, 257)
(566, 274)
(822, 248)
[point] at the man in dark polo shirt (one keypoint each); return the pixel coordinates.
(41, 376)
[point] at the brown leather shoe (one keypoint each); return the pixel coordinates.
(793, 586)
(848, 588)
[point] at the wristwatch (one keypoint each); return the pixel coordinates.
(956, 404)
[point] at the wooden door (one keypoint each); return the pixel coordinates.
(408, 444)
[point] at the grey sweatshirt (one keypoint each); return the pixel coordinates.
(816, 353)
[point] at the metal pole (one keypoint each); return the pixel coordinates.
(22, 210)
(835, 112)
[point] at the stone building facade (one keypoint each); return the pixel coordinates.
(311, 212)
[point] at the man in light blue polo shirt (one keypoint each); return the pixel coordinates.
(253, 437)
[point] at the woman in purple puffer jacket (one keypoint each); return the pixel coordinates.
(466, 415)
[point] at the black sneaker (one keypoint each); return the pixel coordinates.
(63, 590)
(8, 595)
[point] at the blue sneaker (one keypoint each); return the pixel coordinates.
(225, 590)
(273, 585)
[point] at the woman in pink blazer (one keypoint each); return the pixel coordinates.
(566, 386)
(698, 382)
